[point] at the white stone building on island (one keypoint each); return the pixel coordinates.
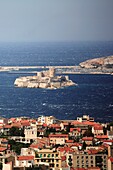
(44, 79)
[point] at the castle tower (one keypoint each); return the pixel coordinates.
(52, 72)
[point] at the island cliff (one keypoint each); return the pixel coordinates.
(44, 79)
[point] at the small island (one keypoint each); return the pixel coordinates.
(44, 79)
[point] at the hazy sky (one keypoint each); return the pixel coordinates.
(56, 20)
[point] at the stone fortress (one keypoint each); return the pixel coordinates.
(44, 79)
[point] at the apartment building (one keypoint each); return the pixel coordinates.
(58, 138)
(49, 157)
(85, 160)
(30, 132)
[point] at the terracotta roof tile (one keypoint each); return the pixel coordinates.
(7, 126)
(87, 138)
(58, 135)
(102, 137)
(2, 149)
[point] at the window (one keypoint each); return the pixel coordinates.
(57, 165)
(77, 161)
(56, 155)
(91, 162)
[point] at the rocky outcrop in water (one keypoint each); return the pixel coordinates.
(44, 79)
(102, 63)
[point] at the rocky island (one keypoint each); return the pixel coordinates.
(44, 79)
(103, 63)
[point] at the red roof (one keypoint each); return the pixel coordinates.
(58, 135)
(75, 129)
(93, 168)
(66, 149)
(80, 169)
(76, 122)
(102, 137)
(12, 119)
(92, 151)
(25, 123)
(76, 144)
(33, 120)
(87, 138)
(69, 141)
(108, 141)
(36, 146)
(21, 158)
(17, 124)
(2, 149)
(45, 125)
(7, 126)
(88, 123)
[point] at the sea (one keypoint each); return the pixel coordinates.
(93, 96)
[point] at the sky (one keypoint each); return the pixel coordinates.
(56, 20)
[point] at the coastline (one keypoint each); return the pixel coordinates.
(59, 69)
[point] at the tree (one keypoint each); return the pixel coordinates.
(14, 131)
(88, 132)
(84, 145)
(16, 146)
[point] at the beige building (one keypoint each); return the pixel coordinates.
(58, 138)
(86, 160)
(97, 130)
(110, 157)
(24, 161)
(47, 119)
(30, 132)
(85, 118)
(49, 157)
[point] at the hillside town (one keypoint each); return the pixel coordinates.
(52, 144)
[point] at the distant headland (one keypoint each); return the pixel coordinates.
(44, 79)
(102, 65)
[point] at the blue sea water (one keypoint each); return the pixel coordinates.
(93, 95)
